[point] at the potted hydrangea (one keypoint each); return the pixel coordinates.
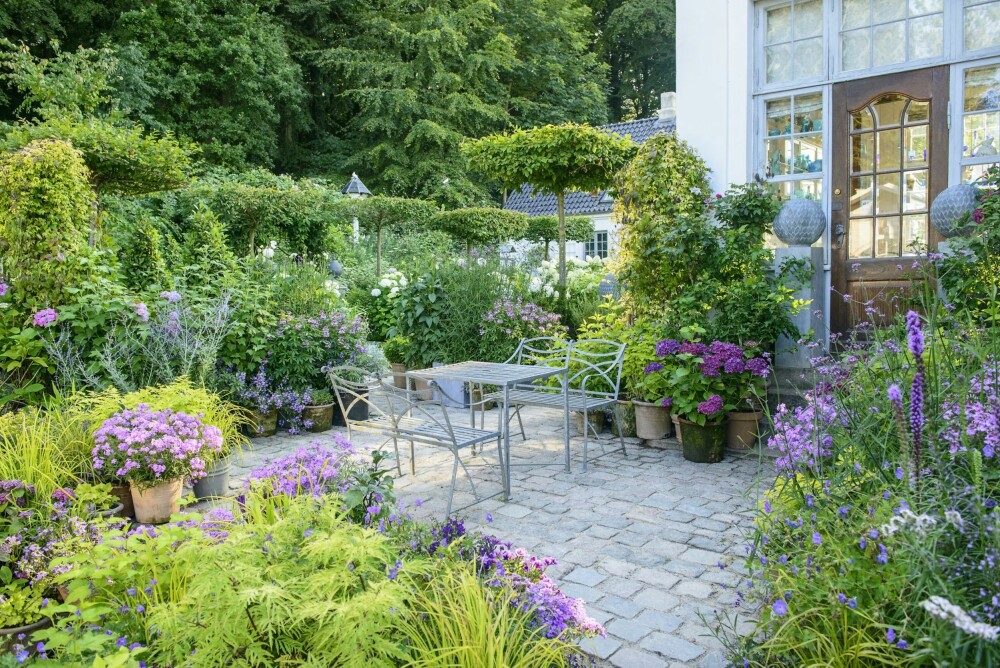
(704, 383)
(155, 451)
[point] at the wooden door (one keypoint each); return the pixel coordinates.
(890, 159)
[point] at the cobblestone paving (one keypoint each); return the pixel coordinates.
(639, 537)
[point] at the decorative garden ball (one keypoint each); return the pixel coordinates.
(950, 206)
(800, 222)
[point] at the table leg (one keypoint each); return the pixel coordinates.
(506, 442)
(565, 385)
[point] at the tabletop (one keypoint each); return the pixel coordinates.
(488, 373)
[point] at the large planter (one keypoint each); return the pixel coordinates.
(123, 492)
(477, 400)
(265, 424)
(358, 412)
(703, 443)
(652, 421)
(399, 375)
(155, 505)
(623, 420)
(422, 389)
(596, 420)
(215, 484)
(321, 417)
(9, 635)
(744, 429)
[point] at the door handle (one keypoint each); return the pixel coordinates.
(839, 231)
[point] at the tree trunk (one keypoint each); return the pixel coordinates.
(545, 255)
(468, 251)
(378, 251)
(561, 209)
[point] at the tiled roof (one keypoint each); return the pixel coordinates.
(355, 187)
(580, 203)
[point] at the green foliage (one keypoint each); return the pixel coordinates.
(639, 41)
(969, 272)
(42, 447)
(752, 206)
(45, 205)
(93, 498)
(20, 605)
(395, 349)
(378, 213)
(481, 226)
(422, 312)
(665, 236)
(302, 346)
(552, 159)
(141, 258)
(545, 229)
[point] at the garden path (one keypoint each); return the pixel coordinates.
(640, 538)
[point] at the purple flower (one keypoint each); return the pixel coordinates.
(817, 538)
(3, 288)
(142, 311)
(780, 608)
(842, 598)
(666, 402)
(852, 603)
(667, 347)
(894, 394)
(890, 635)
(711, 406)
(914, 333)
(759, 367)
(653, 367)
(171, 296)
(45, 317)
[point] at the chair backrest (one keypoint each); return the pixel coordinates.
(595, 367)
(350, 392)
(541, 351)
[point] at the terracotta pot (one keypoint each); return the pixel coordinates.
(652, 421)
(399, 375)
(155, 505)
(596, 420)
(215, 484)
(704, 443)
(265, 424)
(625, 424)
(320, 416)
(744, 429)
(8, 636)
(677, 427)
(123, 491)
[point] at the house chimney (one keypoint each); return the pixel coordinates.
(668, 107)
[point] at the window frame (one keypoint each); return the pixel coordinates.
(593, 244)
(957, 162)
(759, 60)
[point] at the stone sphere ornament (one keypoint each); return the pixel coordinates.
(949, 208)
(800, 222)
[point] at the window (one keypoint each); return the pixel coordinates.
(980, 120)
(879, 33)
(981, 24)
(888, 209)
(598, 246)
(793, 145)
(793, 41)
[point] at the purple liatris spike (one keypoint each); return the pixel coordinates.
(917, 417)
(914, 333)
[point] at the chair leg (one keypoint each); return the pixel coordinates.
(618, 421)
(517, 411)
(395, 446)
(413, 460)
(586, 430)
(451, 492)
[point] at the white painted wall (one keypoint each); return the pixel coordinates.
(713, 84)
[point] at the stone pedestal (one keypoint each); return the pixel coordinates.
(790, 354)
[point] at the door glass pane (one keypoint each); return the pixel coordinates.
(887, 151)
(808, 19)
(889, 110)
(860, 238)
(778, 62)
(887, 237)
(863, 152)
(914, 234)
(779, 25)
(855, 50)
(862, 120)
(982, 26)
(888, 10)
(915, 146)
(808, 58)
(918, 112)
(915, 190)
(887, 196)
(779, 156)
(861, 196)
(926, 37)
(918, 7)
(982, 88)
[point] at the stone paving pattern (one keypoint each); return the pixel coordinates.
(639, 537)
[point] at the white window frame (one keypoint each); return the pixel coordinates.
(956, 119)
(759, 63)
(593, 241)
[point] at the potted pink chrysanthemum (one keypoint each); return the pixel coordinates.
(155, 451)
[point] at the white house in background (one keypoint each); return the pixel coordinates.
(869, 107)
(597, 206)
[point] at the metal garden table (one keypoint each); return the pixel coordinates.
(505, 377)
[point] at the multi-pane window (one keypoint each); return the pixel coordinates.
(980, 121)
(793, 145)
(793, 41)
(598, 246)
(981, 24)
(888, 211)
(879, 33)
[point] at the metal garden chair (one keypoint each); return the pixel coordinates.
(397, 415)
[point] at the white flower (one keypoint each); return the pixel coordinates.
(376, 292)
(535, 284)
(394, 290)
(461, 262)
(274, 244)
(481, 261)
(954, 518)
(385, 282)
(402, 281)
(906, 517)
(945, 610)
